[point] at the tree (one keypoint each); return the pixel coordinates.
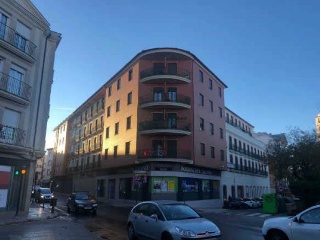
(299, 163)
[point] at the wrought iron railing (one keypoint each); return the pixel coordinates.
(165, 97)
(14, 38)
(156, 71)
(165, 124)
(12, 136)
(164, 153)
(15, 86)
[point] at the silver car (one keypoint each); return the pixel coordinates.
(169, 220)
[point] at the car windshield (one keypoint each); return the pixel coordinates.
(45, 191)
(178, 212)
(82, 196)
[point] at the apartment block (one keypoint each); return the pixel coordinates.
(247, 174)
(27, 52)
(155, 130)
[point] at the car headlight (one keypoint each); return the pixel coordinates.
(218, 232)
(185, 233)
(52, 196)
(95, 205)
(42, 196)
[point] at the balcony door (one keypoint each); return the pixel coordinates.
(157, 94)
(158, 68)
(172, 68)
(172, 94)
(158, 120)
(15, 80)
(172, 120)
(172, 148)
(3, 25)
(157, 146)
(10, 122)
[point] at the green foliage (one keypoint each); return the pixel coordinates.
(299, 163)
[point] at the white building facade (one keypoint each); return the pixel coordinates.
(247, 174)
(27, 53)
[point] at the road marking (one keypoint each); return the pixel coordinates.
(265, 215)
(253, 214)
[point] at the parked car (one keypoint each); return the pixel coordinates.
(259, 202)
(237, 203)
(251, 203)
(170, 220)
(81, 202)
(34, 190)
(304, 225)
(43, 195)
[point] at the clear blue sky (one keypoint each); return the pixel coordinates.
(267, 52)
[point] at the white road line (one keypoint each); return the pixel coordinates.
(253, 214)
(265, 215)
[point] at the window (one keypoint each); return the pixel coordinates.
(201, 124)
(200, 76)
(202, 149)
(16, 76)
(21, 35)
(107, 132)
(118, 106)
(220, 92)
(221, 155)
(221, 133)
(211, 105)
(3, 23)
(128, 122)
(212, 152)
(129, 99)
(116, 128)
(108, 111)
(220, 112)
(211, 128)
(210, 84)
(201, 99)
(231, 158)
(130, 75)
(127, 148)
(119, 84)
(106, 154)
(110, 91)
(115, 151)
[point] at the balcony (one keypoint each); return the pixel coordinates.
(166, 127)
(165, 100)
(15, 42)
(14, 89)
(247, 170)
(175, 155)
(12, 136)
(156, 75)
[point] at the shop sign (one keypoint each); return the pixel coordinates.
(196, 170)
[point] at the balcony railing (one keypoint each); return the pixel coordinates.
(173, 72)
(165, 124)
(245, 169)
(239, 127)
(165, 97)
(246, 152)
(15, 39)
(177, 153)
(15, 86)
(12, 136)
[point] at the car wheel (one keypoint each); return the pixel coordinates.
(276, 235)
(166, 236)
(131, 232)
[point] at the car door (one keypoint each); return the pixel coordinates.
(308, 225)
(153, 227)
(139, 218)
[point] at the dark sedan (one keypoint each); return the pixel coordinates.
(237, 203)
(81, 202)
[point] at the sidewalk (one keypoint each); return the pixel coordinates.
(36, 213)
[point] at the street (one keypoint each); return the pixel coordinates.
(110, 223)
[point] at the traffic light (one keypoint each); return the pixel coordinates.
(18, 172)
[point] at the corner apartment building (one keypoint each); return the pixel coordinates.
(247, 174)
(317, 121)
(155, 130)
(27, 52)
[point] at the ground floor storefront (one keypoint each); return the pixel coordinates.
(154, 181)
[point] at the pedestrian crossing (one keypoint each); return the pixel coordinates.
(249, 214)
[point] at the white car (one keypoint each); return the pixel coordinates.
(303, 226)
(250, 202)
